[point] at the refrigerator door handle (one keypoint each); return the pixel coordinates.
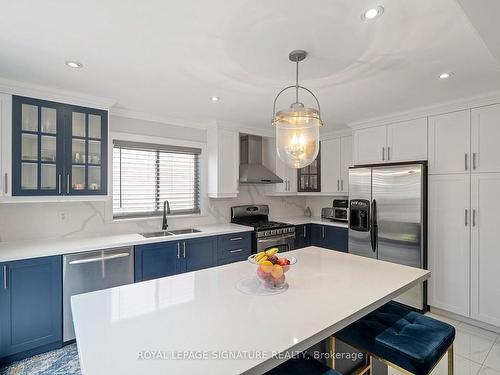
(374, 227)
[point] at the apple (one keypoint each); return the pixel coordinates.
(283, 261)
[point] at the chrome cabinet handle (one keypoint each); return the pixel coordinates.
(466, 161)
(466, 214)
(67, 183)
(338, 185)
(305, 231)
(342, 185)
(236, 239)
(5, 270)
(236, 251)
(388, 153)
(474, 217)
(184, 250)
(6, 177)
(323, 232)
(383, 153)
(474, 161)
(59, 182)
(178, 250)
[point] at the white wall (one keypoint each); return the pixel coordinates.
(25, 221)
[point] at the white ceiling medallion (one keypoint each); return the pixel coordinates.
(297, 127)
(372, 13)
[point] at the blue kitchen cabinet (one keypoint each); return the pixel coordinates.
(156, 260)
(58, 149)
(329, 237)
(30, 307)
(199, 253)
(234, 247)
(302, 236)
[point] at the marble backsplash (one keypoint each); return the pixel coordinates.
(29, 221)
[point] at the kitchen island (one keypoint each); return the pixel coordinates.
(205, 322)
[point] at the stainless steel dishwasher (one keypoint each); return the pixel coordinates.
(90, 271)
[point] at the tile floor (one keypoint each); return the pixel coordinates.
(477, 351)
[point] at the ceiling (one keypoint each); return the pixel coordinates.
(167, 58)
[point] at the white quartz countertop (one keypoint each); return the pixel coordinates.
(10, 251)
(186, 324)
(299, 220)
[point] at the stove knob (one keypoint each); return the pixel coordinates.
(279, 231)
(267, 233)
(273, 232)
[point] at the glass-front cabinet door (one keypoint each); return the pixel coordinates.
(37, 169)
(58, 149)
(309, 177)
(87, 149)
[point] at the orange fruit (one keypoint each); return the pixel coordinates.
(266, 266)
(277, 271)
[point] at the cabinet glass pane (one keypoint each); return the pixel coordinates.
(94, 178)
(29, 176)
(303, 182)
(48, 120)
(48, 148)
(78, 124)
(78, 177)
(313, 167)
(313, 180)
(29, 149)
(94, 126)
(48, 177)
(29, 114)
(94, 152)
(78, 151)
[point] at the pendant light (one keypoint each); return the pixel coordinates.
(297, 127)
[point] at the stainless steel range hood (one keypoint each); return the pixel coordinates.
(252, 171)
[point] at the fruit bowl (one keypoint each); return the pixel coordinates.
(272, 268)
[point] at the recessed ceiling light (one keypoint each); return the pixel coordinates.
(74, 64)
(215, 98)
(445, 75)
(372, 13)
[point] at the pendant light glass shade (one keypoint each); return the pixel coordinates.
(297, 135)
(297, 128)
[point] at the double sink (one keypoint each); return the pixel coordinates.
(166, 233)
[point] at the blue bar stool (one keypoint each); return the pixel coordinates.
(303, 364)
(403, 339)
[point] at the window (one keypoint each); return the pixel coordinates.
(145, 175)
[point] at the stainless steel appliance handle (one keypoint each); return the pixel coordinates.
(466, 161)
(59, 182)
(383, 153)
(5, 270)
(236, 251)
(184, 250)
(474, 161)
(388, 153)
(474, 217)
(374, 226)
(236, 239)
(466, 214)
(276, 238)
(67, 183)
(99, 259)
(6, 177)
(338, 185)
(178, 250)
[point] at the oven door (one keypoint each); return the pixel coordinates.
(284, 242)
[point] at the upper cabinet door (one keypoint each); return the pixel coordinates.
(370, 145)
(330, 165)
(37, 160)
(485, 136)
(86, 146)
(345, 162)
(449, 143)
(407, 141)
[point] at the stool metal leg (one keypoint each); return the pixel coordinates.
(450, 360)
(332, 352)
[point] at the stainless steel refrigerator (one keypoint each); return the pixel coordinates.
(387, 218)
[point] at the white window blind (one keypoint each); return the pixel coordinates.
(145, 175)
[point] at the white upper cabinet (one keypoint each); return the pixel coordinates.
(485, 255)
(449, 143)
(485, 138)
(345, 162)
(402, 141)
(448, 242)
(369, 145)
(271, 160)
(5, 145)
(223, 163)
(330, 165)
(407, 141)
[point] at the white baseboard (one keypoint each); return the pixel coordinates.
(465, 319)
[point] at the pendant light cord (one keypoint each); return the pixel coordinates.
(297, 82)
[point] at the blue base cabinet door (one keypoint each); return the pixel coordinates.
(199, 253)
(318, 235)
(329, 237)
(30, 307)
(302, 236)
(156, 260)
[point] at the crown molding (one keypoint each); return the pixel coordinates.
(482, 100)
(12, 87)
(335, 134)
(254, 130)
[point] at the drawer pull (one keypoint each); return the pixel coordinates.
(236, 239)
(236, 251)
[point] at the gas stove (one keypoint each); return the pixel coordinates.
(266, 233)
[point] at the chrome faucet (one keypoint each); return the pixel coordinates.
(166, 210)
